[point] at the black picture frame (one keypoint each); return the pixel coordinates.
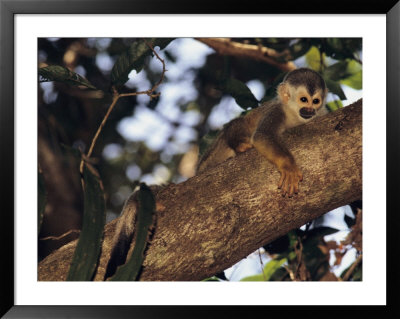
(8, 10)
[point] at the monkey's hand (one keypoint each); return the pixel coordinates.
(269, 146)
(290, 178)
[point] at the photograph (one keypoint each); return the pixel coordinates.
(198, 159)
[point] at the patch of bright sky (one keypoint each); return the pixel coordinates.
(104, 62)
(138, 81)
(175, 94)
(146, 125)
(133, 172)
(112, 151)
(185, 134)
(335, 219)
(190, 53)
(159, 175)
(80, 70)
(102, 43)
(49, 95)
(223, 112)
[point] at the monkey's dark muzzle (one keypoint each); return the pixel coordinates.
(307, 112)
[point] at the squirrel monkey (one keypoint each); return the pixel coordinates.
(301, 94)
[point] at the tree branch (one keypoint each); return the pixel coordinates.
(216, 218)
(226, 46)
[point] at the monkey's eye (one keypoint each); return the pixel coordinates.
(303, 99)
(315, 101)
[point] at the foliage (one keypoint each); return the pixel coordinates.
(240, 92)
(305, 255)
(88, 249)
(134, 59)
(59, 73)
(73, 106)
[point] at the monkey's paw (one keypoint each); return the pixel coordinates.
(289, 181)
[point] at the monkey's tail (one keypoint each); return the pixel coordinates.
(124, 232)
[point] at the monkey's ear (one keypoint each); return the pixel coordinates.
(283, 92)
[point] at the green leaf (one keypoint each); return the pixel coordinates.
(353, 67)
(240, 92)
(334, 105)
(213, 278)
(61, 74)
(346, 72)
(134, 57)
(354, 81)
(280, 274)
(88, 249)
(337, 71)
(259, 277)
(273, 266)
(268, 271)
(313, 59)
(335, 88)
(299, 48)
(147, 204)
(41, 199)
(350, 222)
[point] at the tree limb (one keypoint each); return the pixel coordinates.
(215, 219)
(225, 46)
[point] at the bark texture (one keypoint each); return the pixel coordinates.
(215, 219)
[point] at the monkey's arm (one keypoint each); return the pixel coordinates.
(267, 142)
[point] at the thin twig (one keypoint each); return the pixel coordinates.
(103, 122)
(262, 265)
(290, 272)
(352, 268)
(150, 91)
(61, 236)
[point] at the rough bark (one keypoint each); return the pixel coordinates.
(215, 219)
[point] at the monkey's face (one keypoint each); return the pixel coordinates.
(305, 104)
(308, 104)
(301, 102)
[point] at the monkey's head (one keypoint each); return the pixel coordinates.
(304, 92)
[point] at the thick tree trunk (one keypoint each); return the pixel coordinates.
(215, 219)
